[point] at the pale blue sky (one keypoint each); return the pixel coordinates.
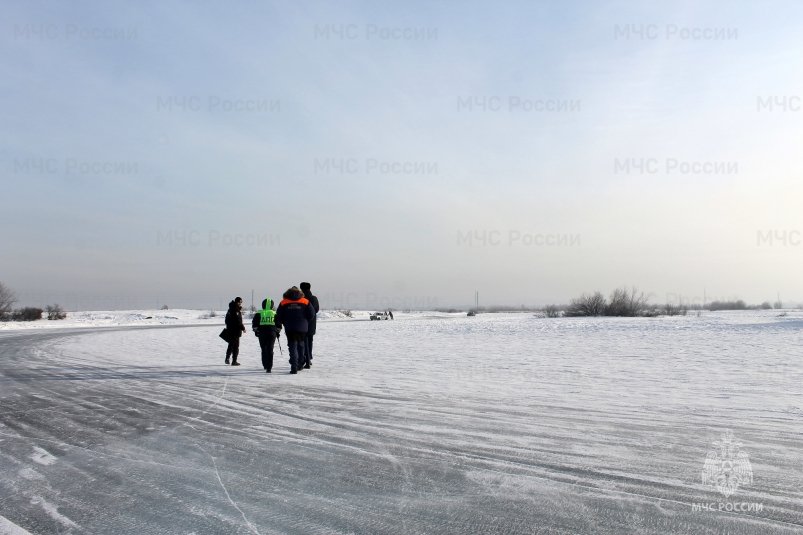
(116, 196)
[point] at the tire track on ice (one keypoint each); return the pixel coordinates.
(211, 406)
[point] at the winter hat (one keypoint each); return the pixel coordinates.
(293, 293)
(305, 286)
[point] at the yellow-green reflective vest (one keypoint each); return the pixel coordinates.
(267, 316)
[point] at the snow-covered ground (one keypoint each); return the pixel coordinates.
(433, 423)
(132, 318)
(118, 318)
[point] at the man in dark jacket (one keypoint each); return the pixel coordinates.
(307, 289)
(234, 329)
(264, 326)
(294, 314)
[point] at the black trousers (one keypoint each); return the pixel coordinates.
(233, 350)
(266, 342)
(308, 341)
(297, 347)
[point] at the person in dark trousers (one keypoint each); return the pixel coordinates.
(264, 326)
(295, 314)
(307, 289)
(235, 329)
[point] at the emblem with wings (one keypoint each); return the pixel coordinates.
(727, 467)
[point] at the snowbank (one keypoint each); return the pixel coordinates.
(128, 318)
(117, 318)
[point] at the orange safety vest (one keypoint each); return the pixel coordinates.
(303, 301)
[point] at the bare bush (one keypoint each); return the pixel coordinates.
(207, 315)
(629, 303)
(27, 314)
(674, 310)
(552, 311)
(7, 300)
(55, 312)
(727, 305)
(587, 305)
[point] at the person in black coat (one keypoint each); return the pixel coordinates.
(234, 329)
(295, 314)
(307, 289)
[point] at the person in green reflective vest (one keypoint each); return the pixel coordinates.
(264, 326)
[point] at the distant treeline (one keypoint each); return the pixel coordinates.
(7, 312)
(622, 302)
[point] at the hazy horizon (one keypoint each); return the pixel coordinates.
(396, 155)
(354, 301)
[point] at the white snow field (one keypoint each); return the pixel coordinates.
(131, 318)
(501, 423)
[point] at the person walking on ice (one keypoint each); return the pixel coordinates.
(295, 314)
(307, 289)
(264, 326)
(235, 328)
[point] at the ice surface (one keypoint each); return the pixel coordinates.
(9, 528)
(501, 423)
(42, 456)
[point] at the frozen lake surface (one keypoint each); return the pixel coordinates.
(501, 423)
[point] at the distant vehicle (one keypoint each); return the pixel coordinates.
(379, 316)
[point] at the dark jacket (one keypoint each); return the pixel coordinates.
(314, 302)
(234, 321)
(295, 312)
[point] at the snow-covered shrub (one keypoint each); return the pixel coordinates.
(587, 305)
(626, 302)
(7, 300)
(27, 314)
(55, 312)
(552, 311)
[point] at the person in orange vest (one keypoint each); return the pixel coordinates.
(295, 313)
